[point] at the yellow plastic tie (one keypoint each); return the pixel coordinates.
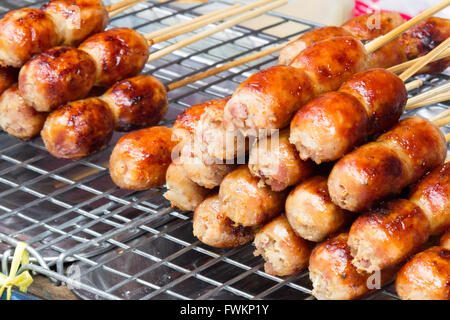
(22, 280)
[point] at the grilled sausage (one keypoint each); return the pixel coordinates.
(213, 228)
(333, 124)
(137, 102)
(276, 162)
(182, 192)
(19, 118)
(426, 276)
(333, 275)
(293, 49)
(398, 158)
(55, 77)
(245, 201)
(445, 240)
(424, 37)
(284, 252)
(195, 133)
(214, 139)
(311, 213)
(269, 98)
(76, 20)
(118, 54)
(432, 195)
(140, 158)
(200, 167)
(24, 33)
(371, 26)
(387, 236)
(78, 129)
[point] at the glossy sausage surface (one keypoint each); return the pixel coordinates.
(75, 20)
(55, 77)
(388, 235)
(24, 33)
(426, 276)
(78, 129)
(118, 53)
(137, 102)
(140, 158)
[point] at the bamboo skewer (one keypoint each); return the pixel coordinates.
(447, 138)
(216, 29)
(425, 60)
(427, 95)
(121, 4)
(441, 115)
(441, 122)
(405, 65)
(380, 41)
(436, 99)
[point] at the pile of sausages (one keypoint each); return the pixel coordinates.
(277, 196)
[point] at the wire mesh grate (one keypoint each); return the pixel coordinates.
(130, 245)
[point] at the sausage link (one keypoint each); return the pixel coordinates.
(55, 77)
(19, 118)
(276, 162)
(333, 275)
(137, 102)
(267, 100)
(426, 276)
(140, 158)
(284, 252)
(379, 169)
(311, 213)
(24, 33)
(213, 228)
(78, 129)
(76, 20)
(182, 192)
(445, 240)
(293, 49)
(387, 236)
(432, 195)
(245, 201)
(118, 54)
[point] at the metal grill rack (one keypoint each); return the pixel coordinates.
(110, 243)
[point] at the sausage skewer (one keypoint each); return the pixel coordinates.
(368, 103)
(406, 225)
(270, 97)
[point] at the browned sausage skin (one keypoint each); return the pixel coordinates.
(57, 76)
(25, 32)
(426, 276)
(8, 76)
(140, 158)
(19, 118)
(78, 129)
(118, 53)
(75, 20)
(284, 252)
(311, 213)
(292, 49)
(267, 100)
(387, 236)
(213, 228)
(379, 169)
(276, 162)
(137, 102)
(333, 124)
(432, 194)
(333, 275)
(245, 201)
